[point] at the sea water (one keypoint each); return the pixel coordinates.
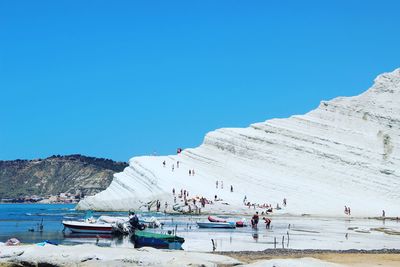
(22, 221)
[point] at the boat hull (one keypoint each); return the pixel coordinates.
(216, 225)
(90, 228)
(143, 239)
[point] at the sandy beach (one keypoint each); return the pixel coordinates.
(91, 255)
(357, 258)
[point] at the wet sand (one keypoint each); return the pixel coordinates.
(354, 258)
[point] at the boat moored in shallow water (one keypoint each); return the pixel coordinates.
(88, 227)
(216, 224)
(156, 240)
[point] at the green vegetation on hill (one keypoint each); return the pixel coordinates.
(56, 174)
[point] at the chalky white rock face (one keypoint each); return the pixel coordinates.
(345, 152)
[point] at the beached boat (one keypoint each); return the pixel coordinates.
(88, 227)
(145, 238)
(216, 224)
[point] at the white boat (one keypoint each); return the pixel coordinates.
(216, 224)
(88, 227)
(149, 222)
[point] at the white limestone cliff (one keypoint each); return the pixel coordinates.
(345, 152)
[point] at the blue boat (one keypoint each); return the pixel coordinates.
(216, 224)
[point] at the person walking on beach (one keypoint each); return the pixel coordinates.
(231, 188)
(190, 172)
(348, 210)
(383, 213)
(267, 222)
(216, 184)
(254, 220)
(284, 202)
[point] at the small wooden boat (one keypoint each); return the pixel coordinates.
(240, 223)
(145, 238)
(216, 224)
(88, 227)
(216, 219)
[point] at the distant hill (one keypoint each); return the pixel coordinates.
(56, 174)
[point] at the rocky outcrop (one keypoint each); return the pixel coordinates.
(345, 152)
(56, 174)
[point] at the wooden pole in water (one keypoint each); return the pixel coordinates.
(283, 241)
(274, 242)
(288, 238)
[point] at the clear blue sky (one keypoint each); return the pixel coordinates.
(118, 79)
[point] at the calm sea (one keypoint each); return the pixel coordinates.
(22, 221)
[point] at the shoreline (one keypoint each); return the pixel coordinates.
(91, 255)
(224, 214)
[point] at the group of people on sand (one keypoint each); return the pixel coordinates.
(184, 195)
(255, 219)
(158, 206)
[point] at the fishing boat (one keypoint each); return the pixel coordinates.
(216, 219)
(216, 224)
(150, 239)
(240, 223)
(93, 227)
(149, 222)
